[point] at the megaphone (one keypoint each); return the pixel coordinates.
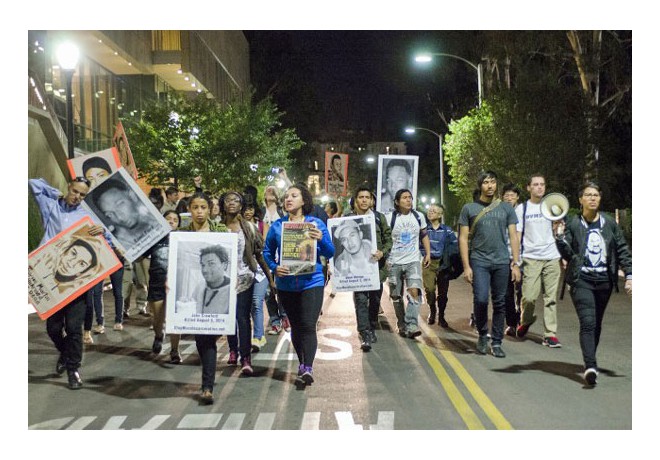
(554, 206)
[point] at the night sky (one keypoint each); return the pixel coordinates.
(334, 83)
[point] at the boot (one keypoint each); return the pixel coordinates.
(365, 345)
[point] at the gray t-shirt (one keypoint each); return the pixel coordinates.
(489, 238)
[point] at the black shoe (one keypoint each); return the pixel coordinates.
(413, 334)
(431, 319)
(206, 396)
(365, 345)
(175, 357)
(157, 346)
(482, 344)
(442, 322)
(75, 382)
(125, 315)
(374, 339)
(60, 367)
(497, 351)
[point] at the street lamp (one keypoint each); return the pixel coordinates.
(428, 57)
(67, 56)
(411, 130)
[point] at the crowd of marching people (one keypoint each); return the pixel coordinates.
(508, 251)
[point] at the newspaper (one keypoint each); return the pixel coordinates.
(298, 250)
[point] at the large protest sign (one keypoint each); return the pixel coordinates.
(127, 213)
(336, 173)
(298, 249)
(395, 172)
(352, 267)
(120, 142)
(95, 167)
(68, 265)
(201, 275)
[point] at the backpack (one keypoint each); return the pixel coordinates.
(415, 213)
(452, 263)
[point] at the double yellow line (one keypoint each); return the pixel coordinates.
(460, 403)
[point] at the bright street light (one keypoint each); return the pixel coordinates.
(411, 130)
(424, 58)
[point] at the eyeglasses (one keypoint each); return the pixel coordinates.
(84, 180)
(591, 195)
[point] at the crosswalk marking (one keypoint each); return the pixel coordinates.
(199, 421)
(115, 422)
(81, 423)
(385, 421)
(154, 422)
(311, 421)
(345, 421)
(234, 422)
(265, 421)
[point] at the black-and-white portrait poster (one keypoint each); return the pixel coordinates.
(353, 268)
(201, 275)
(395, 172)
(127, 213)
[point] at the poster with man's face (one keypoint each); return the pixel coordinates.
(120, 142)
(96, 166)
(201, 275)
(336, 173)
(353, 267)
(67, 266)
(395, 172)
(127, 213)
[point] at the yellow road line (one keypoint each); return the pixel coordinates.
(462, 407)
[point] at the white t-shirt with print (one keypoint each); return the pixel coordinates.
(538, 240)
(405, 238)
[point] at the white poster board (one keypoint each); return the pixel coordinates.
(395, 172)
(201, 275)
(127, 213)
(353, 268)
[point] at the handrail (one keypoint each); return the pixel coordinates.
(37, 98)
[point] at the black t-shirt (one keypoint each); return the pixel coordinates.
(594, 266)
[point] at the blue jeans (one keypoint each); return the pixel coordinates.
(258, 296)
(242, 343)
(493, 278)
(94, 298)
(276, 311)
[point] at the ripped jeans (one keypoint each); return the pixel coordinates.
(411, 275)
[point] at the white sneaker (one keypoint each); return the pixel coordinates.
(87, 337)
(590, 376)
(118, 327)
(99, 329)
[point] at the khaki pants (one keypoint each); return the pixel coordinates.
(540, 276)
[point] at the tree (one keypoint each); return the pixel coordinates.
(229, 145)
(517, 133)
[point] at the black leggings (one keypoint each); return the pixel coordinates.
(303, 309)
(590, 301)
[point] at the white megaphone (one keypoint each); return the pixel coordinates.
(554, 206)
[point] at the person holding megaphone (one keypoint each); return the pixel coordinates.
(595, 248)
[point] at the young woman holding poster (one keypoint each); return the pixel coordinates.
(301, 295)
(156, 293)
(200, 209)
(250, 247)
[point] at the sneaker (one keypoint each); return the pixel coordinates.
(286, 325)
(307, 376)
(442, 322)
(365, 344)
(482, 344)
(497, 351)
(246, 366)
(233, 358)
(510, 331)
(118, 327)
(87, 337)
(206, 396)
(75, 382)
(99, 329)
(275, 329)
(551, 342)
(521, 330)
(157, 346)
(258, 344)
(374, 339)
(590, 376)
(412, 333)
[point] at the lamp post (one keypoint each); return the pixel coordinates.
(428, 57)
(411, 130)
(67, 56)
